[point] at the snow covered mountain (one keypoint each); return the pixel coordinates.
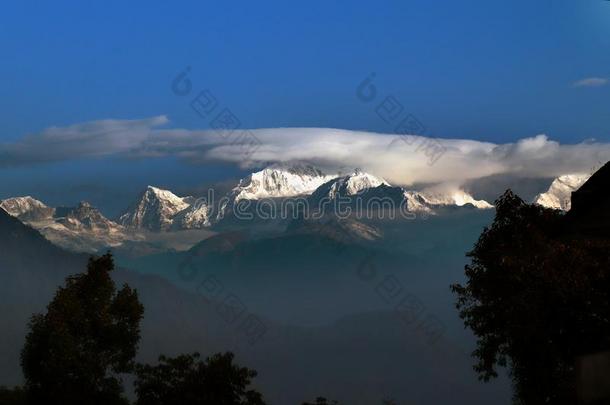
(349, 185)
(154, 210)
(558, 196)
(162, 210)
(85, 217)
(27, 208)
(279, 181)
(456, 197)
(416, 202)
(82, 228)
(369, 188)
(197, 216)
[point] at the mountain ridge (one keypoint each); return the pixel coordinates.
(82, 228)
(156, 210)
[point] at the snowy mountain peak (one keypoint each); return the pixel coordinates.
(80, 228)
(154, 210)
(162, 194)
(454, 197)
(280, 180)
(351, 184)
(86, 217)
(558, 196)
(359, 180)
(27, 208)
(416, 202)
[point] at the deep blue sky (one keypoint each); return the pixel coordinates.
(481, 69)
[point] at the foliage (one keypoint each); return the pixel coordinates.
(12, 396)
(322, 401)
(186, 380)
(536, 297)
(89, 335)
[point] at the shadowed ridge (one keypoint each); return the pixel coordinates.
(15, 236)
(590, 213)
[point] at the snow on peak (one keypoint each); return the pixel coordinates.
(154, 210)
(416, 202)
(559, 194)
(26, 208)
(197, 216)
(358, 181)
(352, 184)
(82, 228)
(164, 195)
(455, 197)
(280, 180)
(87, 217)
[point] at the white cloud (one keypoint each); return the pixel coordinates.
(84, 140)
(397, 159)
(400, 162)
(591, 82)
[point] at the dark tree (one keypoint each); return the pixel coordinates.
(322, 401)
(75, 352)
(12, 396)
(186, 380)
(536, 297)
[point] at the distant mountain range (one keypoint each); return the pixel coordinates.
(161, 210)
(80, 228)
(84, 228)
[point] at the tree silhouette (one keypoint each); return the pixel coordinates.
(536, 297)
(75, 352)
(322, 401)
(12, 396)
(186, 380)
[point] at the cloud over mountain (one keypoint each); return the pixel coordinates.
(83, 140)
(399, 159)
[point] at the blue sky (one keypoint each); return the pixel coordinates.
(486, 70)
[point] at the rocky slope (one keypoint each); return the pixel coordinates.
(82, 228)
(154, 210)
(27, 208)
(558, 196)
